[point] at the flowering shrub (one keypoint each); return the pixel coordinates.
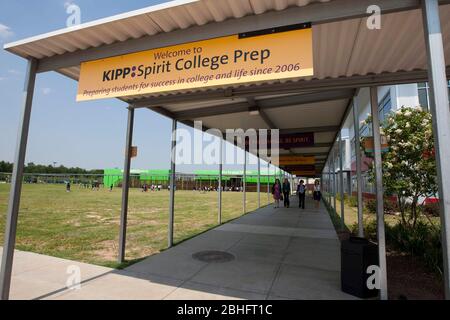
(409, 169)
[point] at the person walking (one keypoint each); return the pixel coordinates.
(301, 192)
(276, 192)
(286, 192)
(317, 195)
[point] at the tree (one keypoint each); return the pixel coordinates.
(6, 167)
(409, 167)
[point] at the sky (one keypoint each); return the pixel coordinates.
(90, 135)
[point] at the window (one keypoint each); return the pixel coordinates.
(384, 107)
(424, 96)
(352, 148)
(344, 152)
(365, 131)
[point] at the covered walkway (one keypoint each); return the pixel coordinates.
(278, 254)
(343, 53)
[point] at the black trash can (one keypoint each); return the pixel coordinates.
(357, 254)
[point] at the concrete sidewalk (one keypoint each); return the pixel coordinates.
(278, 254)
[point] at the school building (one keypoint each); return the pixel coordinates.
(390, 99)
(232, 180)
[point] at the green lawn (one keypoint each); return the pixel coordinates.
(351, 215)
(83, 225)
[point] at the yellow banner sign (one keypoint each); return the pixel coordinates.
(215, 62)
(285, 160)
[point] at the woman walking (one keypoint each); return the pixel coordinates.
(276, 192)
(317, 195)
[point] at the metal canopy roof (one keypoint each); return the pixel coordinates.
(347, 55)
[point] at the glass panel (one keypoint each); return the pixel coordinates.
(423, 101)
(422, 85)
(352, 148)
(365, 131)
(448, 83)
(384, 108)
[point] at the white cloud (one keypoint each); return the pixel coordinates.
(5, 32)
(14, 72)
(2, 78)
(46, 91)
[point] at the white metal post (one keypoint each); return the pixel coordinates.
(292, 183)
(220, 182)
(379, 192)
(439, 106)
(358, 168)
(334, 180)
(259, 181)
(126, 186)
(172, 182)
(268, 182)
(244, 184)
(329, 182)
(16, 182)
(341, 180)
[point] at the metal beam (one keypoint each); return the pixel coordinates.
(317, 164)
(379, 192)
(341, 179)
(310, 129)
(358, 168)
(306, 154)
(214, 110)
(263, 104)
(16, 182)
(253, 105)
(220, 183)
(172, 182)
(258, 187)
(244, 184)
(126, 186)
(163, 111)
(439, 106)
(316, 13)
(329, 180)
(305, 98)
(334, 180)
(323, 85)
(267, 120)
(268, 183)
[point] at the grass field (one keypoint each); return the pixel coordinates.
(83, 225)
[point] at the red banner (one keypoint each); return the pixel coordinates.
(287, 141)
